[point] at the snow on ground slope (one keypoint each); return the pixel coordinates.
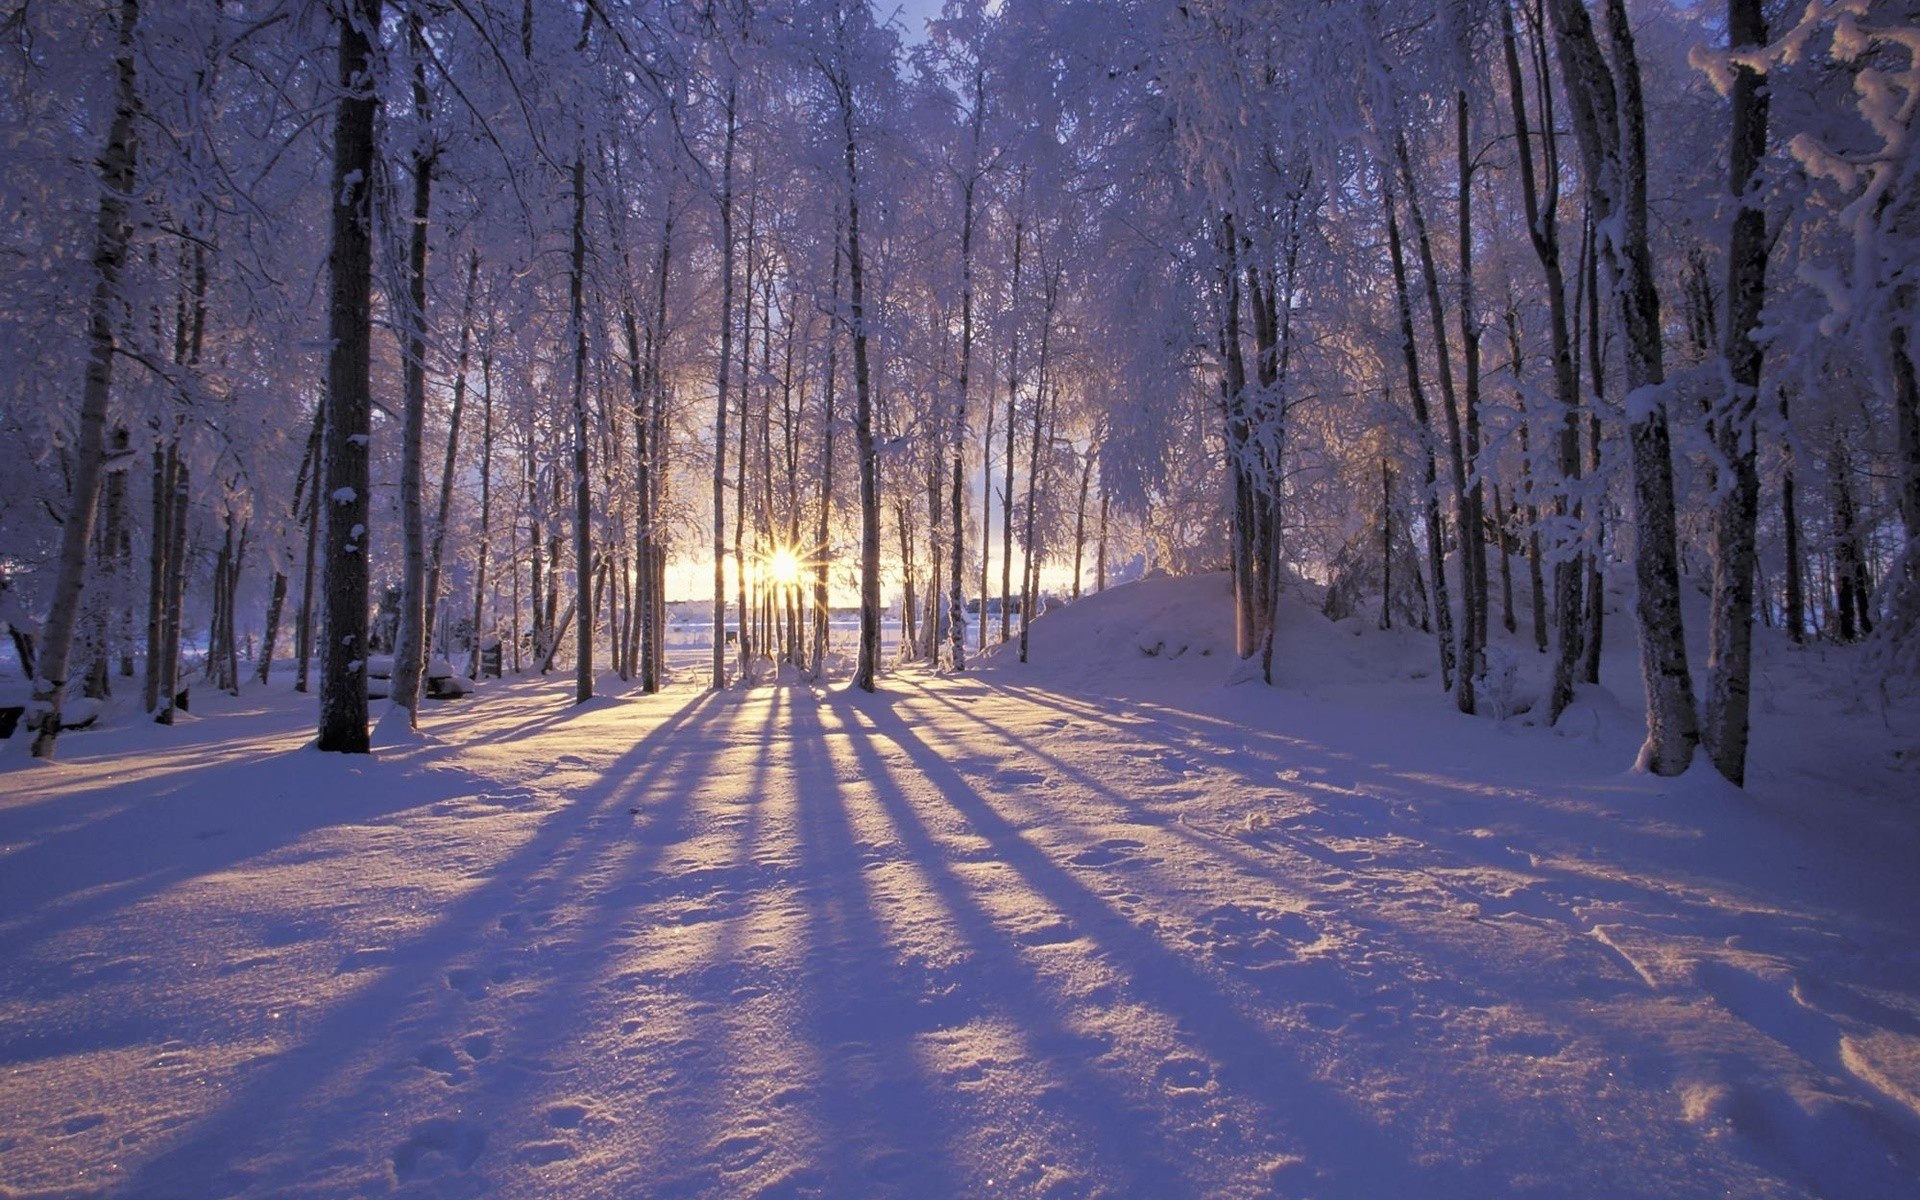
(1094, 925)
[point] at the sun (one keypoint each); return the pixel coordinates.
(782, 567)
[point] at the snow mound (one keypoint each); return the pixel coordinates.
(1164, 629)
(1151, 628)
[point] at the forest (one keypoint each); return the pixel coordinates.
(430, 327)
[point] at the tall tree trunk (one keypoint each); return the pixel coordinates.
(652, 627)
(719, 679)
(1013, 392)
(173, 595)
(1736, 512)
(436, 551)
(1594, 635)
(88, 455)
(1386, 543)
(343, 674)
(1466, 526)
(1030, 564)
(743, 629)
(412, 636)
(957, 544)
(109, 600)
(1851, 588)
(1239, 437)
(1793, 569)
(1430, 489)
(867, 665)
(1476, 542)
(1540, 193)
(276, 603)
(822, 597)
(1080, 523)
(1610, 119)
(160, 540)
(1100, 553)
(986, 520)
(583, 559)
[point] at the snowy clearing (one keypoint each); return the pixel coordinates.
(1096, 926)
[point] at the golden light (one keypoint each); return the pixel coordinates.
(782, 567)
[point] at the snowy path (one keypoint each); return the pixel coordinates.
(969, 938)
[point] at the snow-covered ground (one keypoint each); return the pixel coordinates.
(1098, 925)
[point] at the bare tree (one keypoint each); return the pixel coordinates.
(343, 649)
(118, 166)
(1609, 117)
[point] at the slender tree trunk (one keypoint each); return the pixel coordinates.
(1466, 526)
(957, 543)
(276, 604)
(652, 479)
(1610, 118)
(1080, 524)
(1013, 392)
(986, 521)
(1594, 636)
(1239, 436)
(343, 643)
(162, 539)
(719, 679)
(583, 557)
(1849, 556)
(1503, 531)
(822, 596)
(1030, 565)
(443, 509)
(173, 598)
(1737, 509)
(744, 630)
(1100, 553)
(868, 663)
(1540, 192)
(1476, 542)
(1430, 491)
(109, 601)
(303, 630)
(88, 452)
(412, 636)
(1795, 597)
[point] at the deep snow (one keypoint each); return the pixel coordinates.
(1097, 925)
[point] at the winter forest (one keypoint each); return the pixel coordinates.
(1158, 528)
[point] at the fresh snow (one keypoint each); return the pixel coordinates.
(1095, 925)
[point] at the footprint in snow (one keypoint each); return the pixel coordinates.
(438, 1146)
(1253, 939)
(566, 1115)
(1105, 854)
(467, 982)
(1184, 1073)
(739, 1151)
(544, 1153)
(1015, 777)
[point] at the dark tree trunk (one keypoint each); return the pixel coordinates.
(1610, 118)
(343, 671)
(1737, 509)
(1430, 491)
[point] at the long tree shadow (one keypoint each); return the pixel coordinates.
(1354, 1151)
(290, 1111)
(211, 811)
(881, 1127)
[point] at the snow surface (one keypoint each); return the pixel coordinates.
(1096, 925)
